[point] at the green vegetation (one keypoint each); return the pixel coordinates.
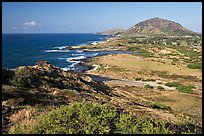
(180, 87)
(185, 89)
(151, 80)
(194, 57)
(140, 52)
(165, 41)
(148, 86)
(173, 84)
(8, 92)
(195, 65)
(24, 78)
(160, 88)
(92, 118)
(139, 79)
(161, 106)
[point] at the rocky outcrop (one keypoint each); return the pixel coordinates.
(45, 76)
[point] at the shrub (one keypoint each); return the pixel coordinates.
(180, 87)
(195, 66)
(140, 52)
(24, 78)
(185, 89)
(160, 88)
(138, 79)
(129, 125)
(151, 80)
(148, 86)
(92, 118)
(133, 49)
(173, 84)
(161, 106)
(9, 92)
(78, 118)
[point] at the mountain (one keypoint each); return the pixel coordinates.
(111, 31)
(158, 26)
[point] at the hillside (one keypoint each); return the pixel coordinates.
(36, 98)
(158, 26)
(111, 32)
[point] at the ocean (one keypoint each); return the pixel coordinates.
(26, 49)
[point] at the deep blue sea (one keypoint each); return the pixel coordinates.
(26, 49)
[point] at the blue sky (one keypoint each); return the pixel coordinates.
(88, 17)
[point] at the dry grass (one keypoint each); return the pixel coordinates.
(24, 114)
(130, 66)
(187, 104)
(21, 120)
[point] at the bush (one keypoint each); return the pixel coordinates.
(148, 86)
(24, 78)
(173, 84)
(78, 118)
(151, 80)
(161, 106)
(92, 118)
(138, 78)
(129, 125)
(185, 89)
(140, 52)
(180, 87)
(160, 88)
(195, 66)
(9, 92)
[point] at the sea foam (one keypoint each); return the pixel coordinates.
(72, 59)
(60, 47)
(57, 50)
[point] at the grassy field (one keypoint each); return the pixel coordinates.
(134, 65)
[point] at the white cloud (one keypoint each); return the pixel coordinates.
(31, 24)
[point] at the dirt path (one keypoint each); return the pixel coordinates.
(120, 82)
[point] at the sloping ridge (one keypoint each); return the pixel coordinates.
(111, 31)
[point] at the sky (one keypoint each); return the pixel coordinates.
(90, 17)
